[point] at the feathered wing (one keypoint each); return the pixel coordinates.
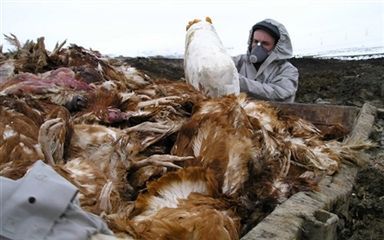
(184, 205)
(219, 136)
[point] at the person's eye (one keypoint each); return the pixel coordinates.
(266, 45)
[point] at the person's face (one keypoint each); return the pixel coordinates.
(262, 37)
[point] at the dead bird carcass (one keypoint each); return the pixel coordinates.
(156, 158)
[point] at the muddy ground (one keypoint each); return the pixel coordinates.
(330, 81)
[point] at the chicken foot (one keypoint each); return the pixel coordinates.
(50, 141)
(150, 127)
(157, 102)
(161, 160)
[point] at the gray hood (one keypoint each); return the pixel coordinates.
(283, 48)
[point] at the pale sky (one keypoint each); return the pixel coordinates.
(146, 27)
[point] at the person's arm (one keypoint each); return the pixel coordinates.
(283, 86)
(237, 60)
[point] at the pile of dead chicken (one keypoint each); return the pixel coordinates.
(155, 158)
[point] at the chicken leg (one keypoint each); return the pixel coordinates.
(51, 139)
(161, 160)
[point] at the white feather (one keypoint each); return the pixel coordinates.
(169, 196)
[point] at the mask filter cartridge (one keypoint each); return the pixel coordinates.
(258, 54)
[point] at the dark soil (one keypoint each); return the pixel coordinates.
(330, 81)
(366, 208)
(158, 67)
(341, 82)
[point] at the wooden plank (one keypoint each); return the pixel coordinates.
(363, 125)
(334, 120)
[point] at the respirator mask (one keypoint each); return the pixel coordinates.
(258, 54)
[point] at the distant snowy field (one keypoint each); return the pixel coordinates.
(342, 54)
(349, 53)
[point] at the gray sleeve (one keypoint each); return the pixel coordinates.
(237, 60)
(43, 205)
(75, 223)
(283, 86)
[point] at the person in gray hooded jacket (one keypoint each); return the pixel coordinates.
(264, 72)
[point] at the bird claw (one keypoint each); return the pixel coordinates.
(208, 19)
(190, 23)
(167, 164)
(162, 160)
(158, 101)
(46, 128)
(48, 133)
(150, 127)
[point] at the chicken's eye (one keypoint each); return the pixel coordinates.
(32, 200)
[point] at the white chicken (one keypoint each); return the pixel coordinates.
(207, 65)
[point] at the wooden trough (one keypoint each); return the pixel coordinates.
(311, 215)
